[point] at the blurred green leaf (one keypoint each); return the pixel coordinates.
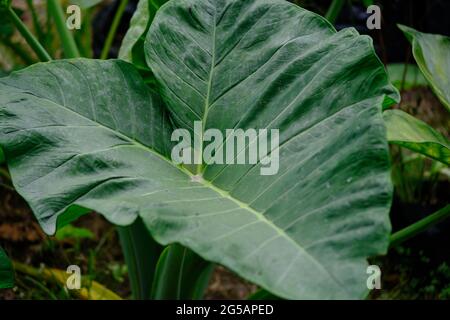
(409, 132)
(132, 49)
(71, 232)
(432, 54)
(180, 274)
(141, 253)
(406, 76)
(6, 271)
(85, 4)
(4, 4)
(118, 271)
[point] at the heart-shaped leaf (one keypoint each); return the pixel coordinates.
(432, 54)
(90, 134)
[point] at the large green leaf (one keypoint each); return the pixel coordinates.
(74, 128)
(6, 271)
(270, 64)
(409, 132)
(89, 134)
(432, 54)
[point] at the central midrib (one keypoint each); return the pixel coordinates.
(208, 96)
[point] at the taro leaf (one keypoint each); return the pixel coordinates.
(81, 133)
(432, 54)
(132, 48)
(406, 76)
(6, 271)
(409, 132)
(76, 132)
(270, 64)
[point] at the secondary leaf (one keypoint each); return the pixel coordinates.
(89, 134)
(6, 271)
(71, 232)
(406, 76)
(409, 132)
(432, 54)
(132, 48)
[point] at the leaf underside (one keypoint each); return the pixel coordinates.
(89, 134)
(409, 132)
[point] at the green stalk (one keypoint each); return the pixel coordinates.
(19, 51)
(180, 275)
(34, 16)
(29, 37)
(420, 226)
(84, 35)
(334, 10)
(112, 31)
(141, 254)
(68, 43)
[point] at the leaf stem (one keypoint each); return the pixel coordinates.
(112, 31)
(29, 37)
(334, 10)
(420, 226)
(141, 253)
(19, 51)
(34, 16)
(67, 40)
(5, 174)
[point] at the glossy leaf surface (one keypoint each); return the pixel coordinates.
(90, 134)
